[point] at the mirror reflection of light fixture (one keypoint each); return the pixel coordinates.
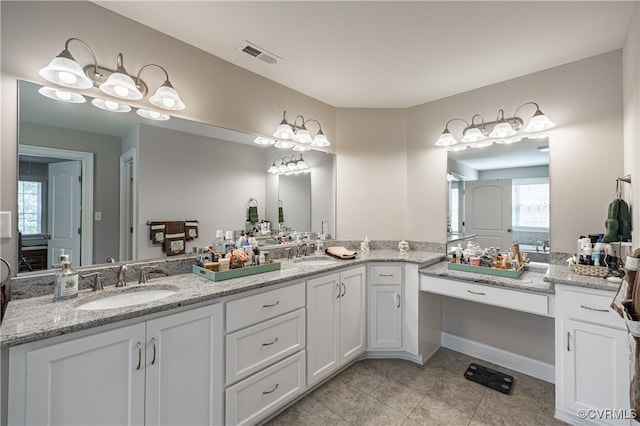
(65, 71)
(111, 106)
(62, 95)
(299, 133)
(503, 128)
(152, 115)
(289, 165)
(283, 144)
(259, 140)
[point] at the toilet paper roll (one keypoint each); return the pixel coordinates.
(632, 263)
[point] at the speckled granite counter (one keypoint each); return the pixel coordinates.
(37, 318)
(534, 279)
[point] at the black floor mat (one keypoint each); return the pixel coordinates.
(490, 378)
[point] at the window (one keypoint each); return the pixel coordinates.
(30, 207)
(531, 203)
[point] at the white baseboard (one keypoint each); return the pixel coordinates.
(378, 354)
(523, 364)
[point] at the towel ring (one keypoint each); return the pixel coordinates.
(279, 203)
(3, 260)
(252, 200)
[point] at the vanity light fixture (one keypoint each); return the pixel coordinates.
(503, 128)
(263, 141)
(152, 115)
(111, 106)
(288, 165)
(65, 71)
(62, 95)
(299, 133)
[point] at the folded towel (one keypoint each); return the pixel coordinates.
(253, 214)
(340, 253)
(280, 215)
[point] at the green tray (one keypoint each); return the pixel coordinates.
(508, 273)
(235, 273)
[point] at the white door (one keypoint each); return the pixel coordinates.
(595, 367)
(385, 317)
(93, 380)
(184, 368)
(323, 319)
(65, 210)
(488, 212)
(352, 314)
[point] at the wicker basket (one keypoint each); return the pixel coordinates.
(590, 270)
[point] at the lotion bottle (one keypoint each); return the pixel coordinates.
(66, 282)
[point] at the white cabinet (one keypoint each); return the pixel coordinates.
(385, 307)
(265, 357)
(592, 356)
(335, 321)
(103, 378)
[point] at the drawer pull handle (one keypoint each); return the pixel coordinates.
(271, 391)
(270, 343)
(594, 309)
(479, 293)
(398, 296)
(568, 340)
(153, 341)
(139, 356)
(385, 275)
(271, 305)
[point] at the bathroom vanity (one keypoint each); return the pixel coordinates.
(240, 351)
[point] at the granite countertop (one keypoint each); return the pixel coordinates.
(36, 318)
(534, 279)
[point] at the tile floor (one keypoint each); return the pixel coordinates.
(397, 392)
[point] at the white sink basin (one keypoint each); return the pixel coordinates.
(317, 261)
(122, 300)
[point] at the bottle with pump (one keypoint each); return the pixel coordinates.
(365, 245)
(66, 282)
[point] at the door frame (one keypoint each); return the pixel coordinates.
(130, 155)
(86, 197)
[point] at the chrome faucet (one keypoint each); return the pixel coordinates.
(97, 282)
(151, 269)
(122, 280)
(302, 246)
(288, 251)
(544, 244)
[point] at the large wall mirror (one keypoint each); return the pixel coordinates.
(500, 194)
(91, 180)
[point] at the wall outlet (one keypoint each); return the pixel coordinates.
(97, 216)
(5, 224)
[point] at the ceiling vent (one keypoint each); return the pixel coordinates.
(258, 52)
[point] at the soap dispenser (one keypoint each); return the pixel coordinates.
(66, 282)
(365, 245)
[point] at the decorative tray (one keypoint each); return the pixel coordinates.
(508, 273)
(235, 273)
(590, 270)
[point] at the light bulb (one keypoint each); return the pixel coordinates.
(121, 91)
(111, 105)
(154, 114)
(67, 77)
(63, 95)
(168, 103)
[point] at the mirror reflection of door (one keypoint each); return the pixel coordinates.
(63, 220)
(488, 212)
(295, 193)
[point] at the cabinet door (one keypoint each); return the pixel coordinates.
(595, 366)
(89, 380)
(385, 317)
(184, 368)
(352, 314)
(323, 318)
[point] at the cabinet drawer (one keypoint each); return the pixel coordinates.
(594, 308)
(263, 393)
(385, 274)
(510, 299)
(260, 307)
(256, 347)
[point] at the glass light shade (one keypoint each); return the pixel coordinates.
(273, 168)
(284, 131)
(538, 123)
(301, 148)
(152, 115)
(446, 139)
(482, 144)
(66, 72)
(473, 134)
(302, 136)
(457, 148)
(282, 168)
(62, 95)
(502, 130)
(291, 166)
(283, 144)
(509, 141)
(301, 165)
(110, 105)
(121, 86)
(263, 141)
(320, 140)
(167, 97)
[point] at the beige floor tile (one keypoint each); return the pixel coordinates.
(498, 409)
(337, 396)
(309, 412)
(371, 412)
(375, 367)
(548, 420)
(433, 411)
(360, 379)
(410, 422)
(397, 396)
(465, 394)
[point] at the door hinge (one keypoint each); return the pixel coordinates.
(80, 179)
(131, 230)
(79, 231)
